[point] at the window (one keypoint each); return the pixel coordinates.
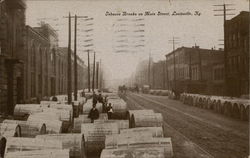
(239, 41)
(234, 40)
(33, 57)
(33, 85)
(245, 44)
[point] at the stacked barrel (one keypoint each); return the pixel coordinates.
(140, 135)
(160, 92)
(56, 129)
(43, 130)
(232, 107)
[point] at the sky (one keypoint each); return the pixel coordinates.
(204, 30)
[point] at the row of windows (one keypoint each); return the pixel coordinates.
(236, 41)
(236, 63)
(183, 73)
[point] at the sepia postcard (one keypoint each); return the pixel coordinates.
(124, 78)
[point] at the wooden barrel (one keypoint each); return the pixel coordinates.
(95, 134)
(46, 103)
(139, 142)
(2, 145)
(29, 128)
(164, 93)
(10, 130)
(134, 153)
(122, 124)
(84, 119)
(119, 108)
(146, 120)
(53, 124)
(22, 110)
(60, 98)
(88, 106)
(113, 140)
(144, 111)
(63, 115)
(74, 142)
(24, 144)
(155, 131)
(56, 153)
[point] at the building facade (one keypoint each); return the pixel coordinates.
(237, 55)
(195, 70)
(12, 25)
(39, 69)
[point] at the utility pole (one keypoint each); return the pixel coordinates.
(190, 73)
(93, 80)
(69, 64)
(167, 73)
(224, 10)
(200, 62)
(75, 62)
(174, 41)
(153, 65)
(100, 70)
(97, 75)
(149, 67)
(88, 45)
(164, 74)
(88, 72)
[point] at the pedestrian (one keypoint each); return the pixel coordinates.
(110, 111)
(93, 114)
(83, 93)
(100, 98)
(95, 98)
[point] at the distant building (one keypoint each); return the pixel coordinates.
(12, 24)
(141, 74)
(237, 57)
(195, 70)
(62, 78)
(159, 75)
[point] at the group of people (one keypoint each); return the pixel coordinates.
(94, 113)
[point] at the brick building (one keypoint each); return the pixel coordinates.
(45, 68)
(12, 24)
(195, 70)
(237, 58)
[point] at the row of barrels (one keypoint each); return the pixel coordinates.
(232, 107)
(41, 131)
(130, 134)
(139, 135)
(159, 92)
(96, 132)
(143, 138)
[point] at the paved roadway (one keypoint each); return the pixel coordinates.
(196, 132)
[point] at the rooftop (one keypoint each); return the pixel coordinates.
(193, 48)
